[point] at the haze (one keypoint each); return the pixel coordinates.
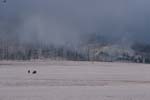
(63, 21)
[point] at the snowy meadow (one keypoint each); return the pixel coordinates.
(68, 80)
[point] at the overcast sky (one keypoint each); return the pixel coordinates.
(62, 21)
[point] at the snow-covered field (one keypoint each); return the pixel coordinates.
(67, 80)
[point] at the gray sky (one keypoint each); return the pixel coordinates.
(61, 21)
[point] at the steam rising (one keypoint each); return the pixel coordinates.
(64, 21)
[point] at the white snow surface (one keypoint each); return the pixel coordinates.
(69, 80)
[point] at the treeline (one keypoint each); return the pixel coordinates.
(91, 50)
(32, 51)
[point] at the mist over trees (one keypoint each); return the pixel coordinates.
(92, 48)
